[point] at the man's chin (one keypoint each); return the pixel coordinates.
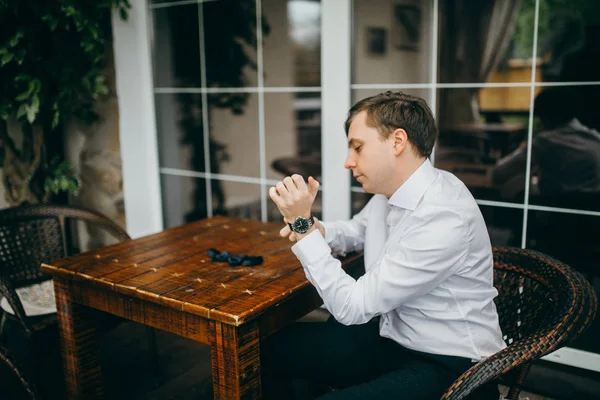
(366, 189)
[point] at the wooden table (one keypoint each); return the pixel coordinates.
(169, 282)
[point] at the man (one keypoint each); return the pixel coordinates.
(565, 154)
(423, 312)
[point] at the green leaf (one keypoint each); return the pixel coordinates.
(15, 39)
(25, 95)
(22, 96)
(35, 102)
(55, 119)
(123, 13)
(33, 109)
(6, 58)
(22, 110)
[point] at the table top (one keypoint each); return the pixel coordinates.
(173, 268)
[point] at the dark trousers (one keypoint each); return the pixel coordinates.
(355, 361)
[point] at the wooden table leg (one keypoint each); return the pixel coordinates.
(83, 374)
(235, 360)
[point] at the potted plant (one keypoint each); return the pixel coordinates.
(52, 71)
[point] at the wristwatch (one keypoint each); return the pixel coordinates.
(302, 225)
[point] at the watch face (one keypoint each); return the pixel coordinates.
(301, 225)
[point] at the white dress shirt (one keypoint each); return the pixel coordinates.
(428, 268)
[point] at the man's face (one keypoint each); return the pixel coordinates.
(370, 157)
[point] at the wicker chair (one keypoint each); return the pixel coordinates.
(8, 363)
(543, 304)
(31, 235)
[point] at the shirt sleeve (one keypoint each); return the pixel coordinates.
(510, 165)
(347, 236)
(422, 258)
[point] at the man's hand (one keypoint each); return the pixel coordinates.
(293, 197)
(293, 236)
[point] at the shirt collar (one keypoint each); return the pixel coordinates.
(409, 194)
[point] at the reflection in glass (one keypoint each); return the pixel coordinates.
(293, 135)
(234, 130)
(180, 132)
(292, 50)
(568, 41)
(569, 51)
(480, 41)
(504, 225)
(565, 155)
(183, 199)
(230, 43)
(176, 46)
(392, 42)
(475, 137)
(165, 1)
(236, 199)
(572, 239)
(273, 214)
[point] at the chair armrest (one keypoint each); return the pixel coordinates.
(7, 359)
(7, 290)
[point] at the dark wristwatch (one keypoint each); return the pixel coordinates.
(301, 225)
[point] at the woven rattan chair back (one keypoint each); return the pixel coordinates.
(31, 235)
(543, 304)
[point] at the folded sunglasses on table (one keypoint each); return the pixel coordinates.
(234, 260)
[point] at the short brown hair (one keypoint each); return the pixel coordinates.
(389, 111)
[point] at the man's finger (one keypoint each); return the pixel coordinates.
(293, 237)
(299, 181)
(285, 231)
(274, 195)
(281, 189)
(290, 184)
(313, 185)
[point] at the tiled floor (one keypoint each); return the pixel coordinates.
(184, 365)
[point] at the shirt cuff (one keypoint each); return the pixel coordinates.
(311, 248)
(329, 231)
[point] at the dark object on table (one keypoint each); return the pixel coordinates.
(234, 260)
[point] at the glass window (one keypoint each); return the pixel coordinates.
(505, 225)
(568, 47)
(176, 46)
(236, 199)
(183, 199)
(234, 134)
(480, 135)
(230, 47)
(485, 41)
(292, 45)
(565, 152)
(179, 127)
(293, 135)
(392, 42)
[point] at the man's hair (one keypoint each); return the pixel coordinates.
(389, 111)
(556, 106)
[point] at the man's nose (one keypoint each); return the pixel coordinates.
(350, 163)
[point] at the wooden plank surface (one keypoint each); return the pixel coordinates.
(172, 268)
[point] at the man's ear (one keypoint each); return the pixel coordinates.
(400, 139)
